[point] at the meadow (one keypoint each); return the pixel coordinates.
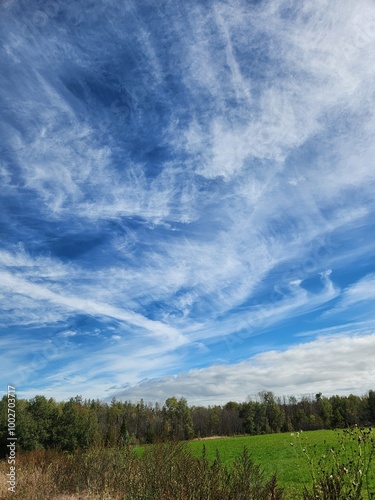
(298, 457)
(232, 468)
(282, 453)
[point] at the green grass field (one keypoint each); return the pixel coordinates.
(280, 453)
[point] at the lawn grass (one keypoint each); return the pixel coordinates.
(282, 453)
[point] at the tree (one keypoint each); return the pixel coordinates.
(44, 413)
(371, 407)
(200, 421)
(353, 410)
(231, 423)
(77, 426)
(274, 415)
(247, 414)
(325, 412)
(338, 420)
(26, 427)
(178, 420)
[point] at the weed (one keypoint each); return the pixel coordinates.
(341, 472)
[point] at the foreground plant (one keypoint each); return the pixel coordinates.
(164, 472)
(344, 472)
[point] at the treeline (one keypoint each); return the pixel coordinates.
(43, 423)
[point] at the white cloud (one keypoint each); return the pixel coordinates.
(269, 147)
(295, 282)
(333, 365)
(69, 333)
(93, 375)
(360, 293)
(313, 81)
(166, 334)
(364, 289)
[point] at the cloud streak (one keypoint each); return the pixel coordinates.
(178, 180)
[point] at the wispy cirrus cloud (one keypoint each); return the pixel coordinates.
(73, 303)
(359, 294)
(176, 176)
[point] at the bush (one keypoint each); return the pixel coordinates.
(342, 473)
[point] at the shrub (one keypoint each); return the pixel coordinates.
(342, 473)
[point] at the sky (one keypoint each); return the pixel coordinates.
(187, 198)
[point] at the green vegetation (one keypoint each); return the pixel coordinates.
(345, 471)
(116, 450)
(276, 452)
(164, 472)
(325, 465)
(302, 459)
(82, 424)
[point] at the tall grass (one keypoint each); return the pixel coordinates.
(342, 472)
(164, 472)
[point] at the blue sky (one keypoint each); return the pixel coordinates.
(187, 198)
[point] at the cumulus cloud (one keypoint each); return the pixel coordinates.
(333, 365)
